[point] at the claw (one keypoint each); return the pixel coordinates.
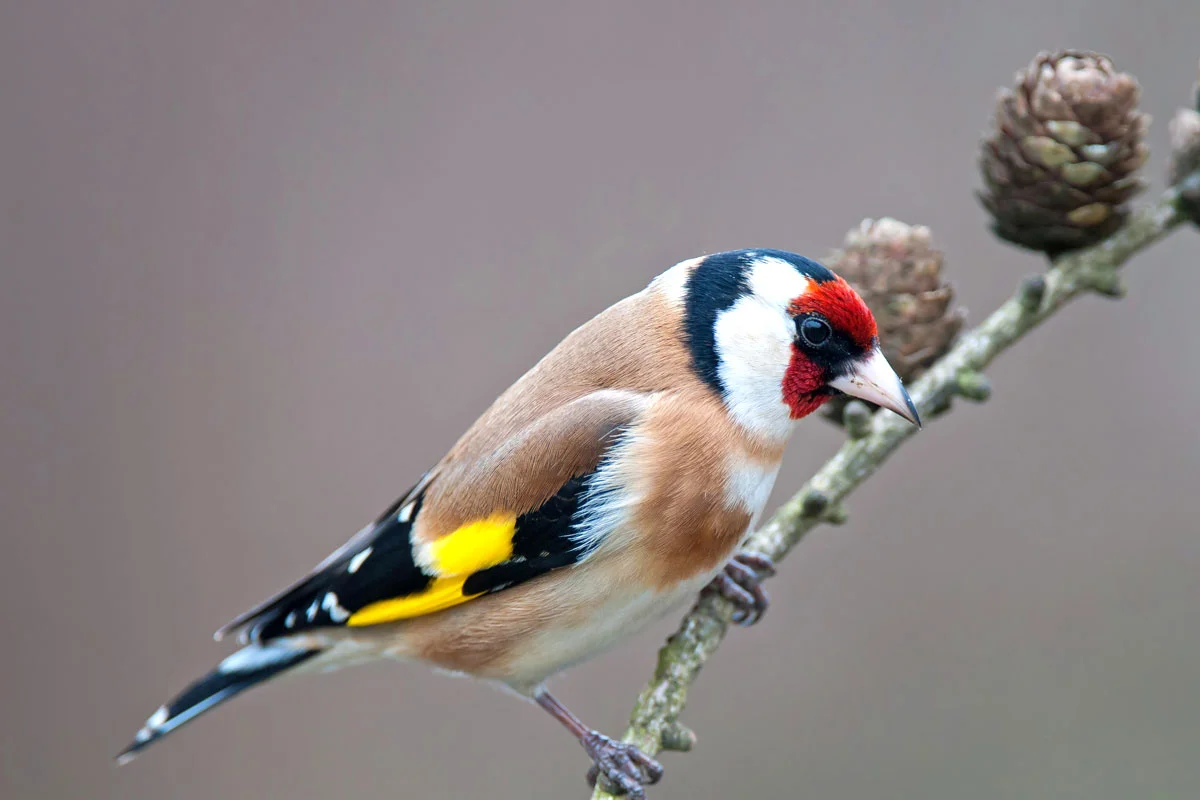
(741, 584)
(740, 571)
(625, 768)
(728, 587)
(758, 562)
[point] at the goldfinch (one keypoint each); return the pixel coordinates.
(609, 485)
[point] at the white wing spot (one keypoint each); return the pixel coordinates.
(358, 560)
(336, 612)
(152, 725)
(405, 514)
(290, 620)
(311, 614)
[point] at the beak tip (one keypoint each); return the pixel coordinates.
(913, 416)
(874, 381)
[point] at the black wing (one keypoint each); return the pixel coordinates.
(378, 564)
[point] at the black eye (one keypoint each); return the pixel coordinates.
(814, 331)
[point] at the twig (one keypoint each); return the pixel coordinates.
(654, 724)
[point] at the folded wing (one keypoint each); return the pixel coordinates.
(498, 520)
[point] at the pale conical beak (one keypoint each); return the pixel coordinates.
(874, 380)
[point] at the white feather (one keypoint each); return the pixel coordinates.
(753, 340)
(776, 282)
(255, 657)
(673, 282)
(605, 504)
(358, 560)
(336, 613)
(749, 483)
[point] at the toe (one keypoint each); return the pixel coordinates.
(633, 790)
(761, 603)
(624, 777)
(619, 767)
(758, 562)
(761, 599)
(740, 573)
(746, 618)
(735, 593)
(650, 768)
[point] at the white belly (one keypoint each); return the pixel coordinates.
(619, 616)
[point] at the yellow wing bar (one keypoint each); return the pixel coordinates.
(452, 558)
(442, 593)
(477, 545)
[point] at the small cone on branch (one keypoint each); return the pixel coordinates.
(1060, 166)
(1184, 132)
(895, 269)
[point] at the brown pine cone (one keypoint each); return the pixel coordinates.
(1060, 167)
(899, 275)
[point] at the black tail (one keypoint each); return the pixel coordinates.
(245, 668)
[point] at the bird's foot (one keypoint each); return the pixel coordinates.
(741, 584)
(625, 769)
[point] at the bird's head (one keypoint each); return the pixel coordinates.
(777, 335)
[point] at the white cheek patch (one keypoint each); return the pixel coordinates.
(753, 339)
(754, 345)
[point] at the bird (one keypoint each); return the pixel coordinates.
(609, 485)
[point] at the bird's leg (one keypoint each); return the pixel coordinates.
(741, 584)
(625, 768)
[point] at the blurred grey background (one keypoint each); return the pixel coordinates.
(263, 262)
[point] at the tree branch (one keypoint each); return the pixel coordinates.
(654, 724)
